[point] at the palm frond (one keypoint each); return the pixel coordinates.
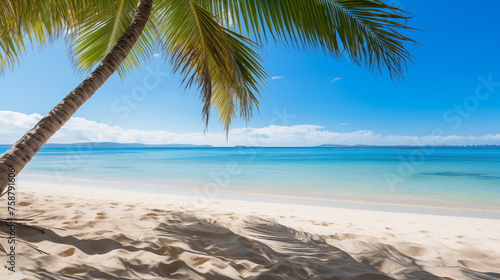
(222, 63)
(211, 42)
(99, 33)
(368, 31)
(37, 22)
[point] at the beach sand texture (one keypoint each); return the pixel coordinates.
(108, 234)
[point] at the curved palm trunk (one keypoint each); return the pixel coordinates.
(25, 148)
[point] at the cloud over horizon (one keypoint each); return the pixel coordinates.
(13, 125)
(277, 77)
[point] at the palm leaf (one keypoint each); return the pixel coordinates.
(38, 22)
(196, 37)
(222, 63)
(366, 30)
(99, 33)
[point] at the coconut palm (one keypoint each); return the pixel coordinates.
(212, 43)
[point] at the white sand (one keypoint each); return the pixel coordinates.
(108, 234)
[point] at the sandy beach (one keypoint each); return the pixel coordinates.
(93, 233)
(249, 140)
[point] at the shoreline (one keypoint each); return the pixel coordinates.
(97, 233)
(222, 193)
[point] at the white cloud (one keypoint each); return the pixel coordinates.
(335, 79)
(343, 124)
(277, 77)
(13, 125)
(156, 55)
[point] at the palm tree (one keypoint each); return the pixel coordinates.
(211, 43)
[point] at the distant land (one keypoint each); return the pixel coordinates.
(243, 146)
(402, 146)
(117, 145)
(359, 146)
(139, 145)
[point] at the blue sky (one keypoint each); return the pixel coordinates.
(460, 43)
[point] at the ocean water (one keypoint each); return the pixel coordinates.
(447, 177)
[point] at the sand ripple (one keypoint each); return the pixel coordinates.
(119, 239)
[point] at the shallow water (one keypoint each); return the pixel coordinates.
(463, 177)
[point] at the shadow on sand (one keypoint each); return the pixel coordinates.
(185, 247)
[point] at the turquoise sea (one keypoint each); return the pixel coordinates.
(448, 178)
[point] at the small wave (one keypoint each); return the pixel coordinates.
(482, 176)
